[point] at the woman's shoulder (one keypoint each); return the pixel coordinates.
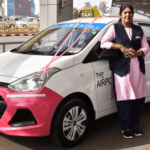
(137, 29)
(136, 26)
(111, 27)
(117, 24)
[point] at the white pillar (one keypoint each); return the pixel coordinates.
(50, 12)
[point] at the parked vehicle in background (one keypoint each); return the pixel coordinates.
(35, 22)
(23, 22)
(26, 22)
(8, 22)
(16, 18)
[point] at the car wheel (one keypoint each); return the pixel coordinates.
(12, 25)
(25, 26)
(70, 123)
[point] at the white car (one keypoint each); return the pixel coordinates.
(36, 20)
(23, 22)
(16, 18)
(75, 91)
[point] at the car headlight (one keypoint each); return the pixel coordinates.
(32, 82)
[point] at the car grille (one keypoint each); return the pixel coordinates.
(3, 106)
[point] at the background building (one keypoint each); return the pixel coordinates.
(21, 8)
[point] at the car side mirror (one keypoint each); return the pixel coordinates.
(94, 54)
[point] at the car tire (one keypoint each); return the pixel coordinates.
(25, 26)
(70, 123)
(12, 25)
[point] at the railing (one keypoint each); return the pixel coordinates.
(11, 40)
(7, 43)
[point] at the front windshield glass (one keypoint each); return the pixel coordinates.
(49, 41)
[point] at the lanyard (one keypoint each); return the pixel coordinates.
(55, 57)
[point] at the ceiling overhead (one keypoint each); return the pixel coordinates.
(140, 6)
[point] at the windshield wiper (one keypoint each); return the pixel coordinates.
(14, 50)
(32, 52)
(67, 53)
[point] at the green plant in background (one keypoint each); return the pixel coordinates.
(36, 27)
(12, 28)
(17, 29)
(23, 28)
(1, 27)
(30, 28)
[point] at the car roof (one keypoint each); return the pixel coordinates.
(103, 20)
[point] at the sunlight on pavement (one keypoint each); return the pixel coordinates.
(142, 147)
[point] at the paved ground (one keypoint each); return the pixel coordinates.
(104, 134)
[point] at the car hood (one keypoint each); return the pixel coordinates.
(15, 65)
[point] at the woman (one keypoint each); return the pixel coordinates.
(128, 71)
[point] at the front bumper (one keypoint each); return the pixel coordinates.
(42, 104)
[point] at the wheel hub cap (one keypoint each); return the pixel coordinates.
(74, 123)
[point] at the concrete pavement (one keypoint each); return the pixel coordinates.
(104, 134)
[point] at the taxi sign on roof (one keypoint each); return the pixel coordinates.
(89, 13)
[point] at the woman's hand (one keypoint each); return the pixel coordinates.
(123, 49)
(127, 52)
(131, 53)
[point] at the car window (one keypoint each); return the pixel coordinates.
(24, 19)
(146, 28)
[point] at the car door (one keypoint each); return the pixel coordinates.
(146, 28)
(102, 77)
(103, 85)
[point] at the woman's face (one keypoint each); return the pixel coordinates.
(126, 15)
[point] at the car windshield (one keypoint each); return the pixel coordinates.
(49, 40)
(24, 19)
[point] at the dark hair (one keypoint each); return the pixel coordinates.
(123, 7)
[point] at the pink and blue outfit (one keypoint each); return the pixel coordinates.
(128, 73)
